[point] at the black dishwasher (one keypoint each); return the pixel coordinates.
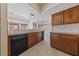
(19, 44)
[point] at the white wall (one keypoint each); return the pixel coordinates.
(4, 29)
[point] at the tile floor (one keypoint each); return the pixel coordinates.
(43, 48)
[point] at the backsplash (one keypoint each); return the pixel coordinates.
(74, 28)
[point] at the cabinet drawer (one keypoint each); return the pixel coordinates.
(56, 36)
(70, 37)
(32, 34)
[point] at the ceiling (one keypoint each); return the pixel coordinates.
(40, 7)
(41, 11)
(22, 11)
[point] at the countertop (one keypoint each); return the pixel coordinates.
(19, 32)
(70, 33)
(72, 29)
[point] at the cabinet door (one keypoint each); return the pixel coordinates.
(39, 36)
(32, 39)
(71, 15)
(75, 12)
(69, 44)
(55, 40)
(78, 45)
(68, 16)
(57, 19)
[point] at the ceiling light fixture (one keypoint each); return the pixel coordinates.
(32, 15)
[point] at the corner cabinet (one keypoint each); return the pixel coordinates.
(57, 19)
(65, 42)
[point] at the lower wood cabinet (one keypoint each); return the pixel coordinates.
(69, 44)
(65, 42)
(55, 40)
(34, 38)
(39, 36)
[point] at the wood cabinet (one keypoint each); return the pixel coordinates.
(65, 42)
(57, 19)
(55, 40)
(69, 44)
(75, 17)
(32, 39)
(68, 16)
(71, 15)
(39, 36)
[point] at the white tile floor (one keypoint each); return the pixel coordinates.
(43, 49)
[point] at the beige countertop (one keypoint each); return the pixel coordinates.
(18, 32)
(70, 33)
(67, 29)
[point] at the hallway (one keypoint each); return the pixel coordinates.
(43, 49)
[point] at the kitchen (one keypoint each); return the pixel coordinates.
(29, 27)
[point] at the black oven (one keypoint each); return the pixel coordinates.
(19, 43)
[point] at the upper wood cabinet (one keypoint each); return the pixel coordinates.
(57, 19)
(66, 17)
(71, 15)
(75, 16)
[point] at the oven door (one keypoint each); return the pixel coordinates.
(19, 44)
